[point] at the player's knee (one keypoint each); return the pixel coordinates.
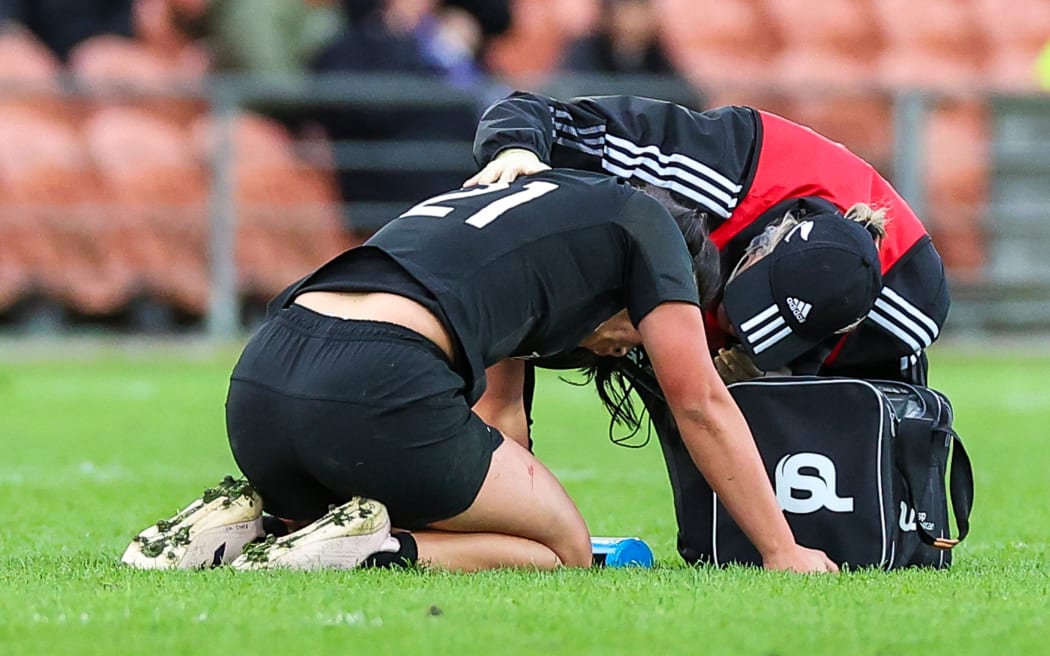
(579, 557)
(574, 548)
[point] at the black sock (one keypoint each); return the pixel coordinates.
(274, 526)
(406, 556)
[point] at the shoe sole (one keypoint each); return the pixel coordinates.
(204, 534)
(342, 539)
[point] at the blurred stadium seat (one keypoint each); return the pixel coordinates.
(157, 196)
(835, 93)
(846, 28)
(288, 213)
(29, 254)
(720, 46)
(29, 76)
(1015, 37)
(52, 202)
(929, 43)
(15, 281)
(23, 58)
(122, 71)
(957, 152)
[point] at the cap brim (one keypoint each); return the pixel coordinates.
(761, 328)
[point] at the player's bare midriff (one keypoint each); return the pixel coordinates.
(380, 306)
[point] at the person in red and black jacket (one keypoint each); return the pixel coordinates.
(746, 169)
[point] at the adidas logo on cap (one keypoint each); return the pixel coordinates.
(799, 308)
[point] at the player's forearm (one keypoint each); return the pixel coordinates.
(720, 443)
(502, 405)
(508, 420)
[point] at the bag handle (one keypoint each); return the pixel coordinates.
(917, 444)
(960, 484)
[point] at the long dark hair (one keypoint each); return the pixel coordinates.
(609, 374)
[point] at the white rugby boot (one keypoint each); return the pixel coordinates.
(341, 539)
(209, 532)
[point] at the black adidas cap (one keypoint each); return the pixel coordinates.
(823, 276)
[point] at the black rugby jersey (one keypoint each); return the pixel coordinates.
(744, 168)
(531, 268)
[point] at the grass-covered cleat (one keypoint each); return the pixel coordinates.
(341, 539)
(211, 531)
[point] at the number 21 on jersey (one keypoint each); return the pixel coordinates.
(489, 213)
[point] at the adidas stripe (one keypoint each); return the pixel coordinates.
(759, 326)
(684, 175)
(897, 316)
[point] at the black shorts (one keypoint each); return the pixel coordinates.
(322, 409)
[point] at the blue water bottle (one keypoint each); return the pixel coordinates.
(621, 552)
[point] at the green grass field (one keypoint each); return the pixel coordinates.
(98, 442)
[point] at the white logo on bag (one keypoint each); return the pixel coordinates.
(927, 526)
(914, 519)
(907, 520)
(799, 308)
(820, 486)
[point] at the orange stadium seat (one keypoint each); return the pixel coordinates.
(941, 44)
(929, 43)
(29, 76)
(957, 152)
(123, 71)
(15, 281)
(1026, 24)
(288, 218)
(157, 193)
(827, 43)
(834, 95)
(52, 202)
(27, 251)
(721, 46)
(1015, 38)
(848, 28)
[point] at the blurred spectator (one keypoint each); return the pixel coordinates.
(10, 10)
(410, 36)
(62, 24)
(260, 36)
(493, 16)
(420, 37)
(627, 42)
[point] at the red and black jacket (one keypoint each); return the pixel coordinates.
(744, 168)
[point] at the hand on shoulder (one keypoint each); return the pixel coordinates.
(507, 167)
